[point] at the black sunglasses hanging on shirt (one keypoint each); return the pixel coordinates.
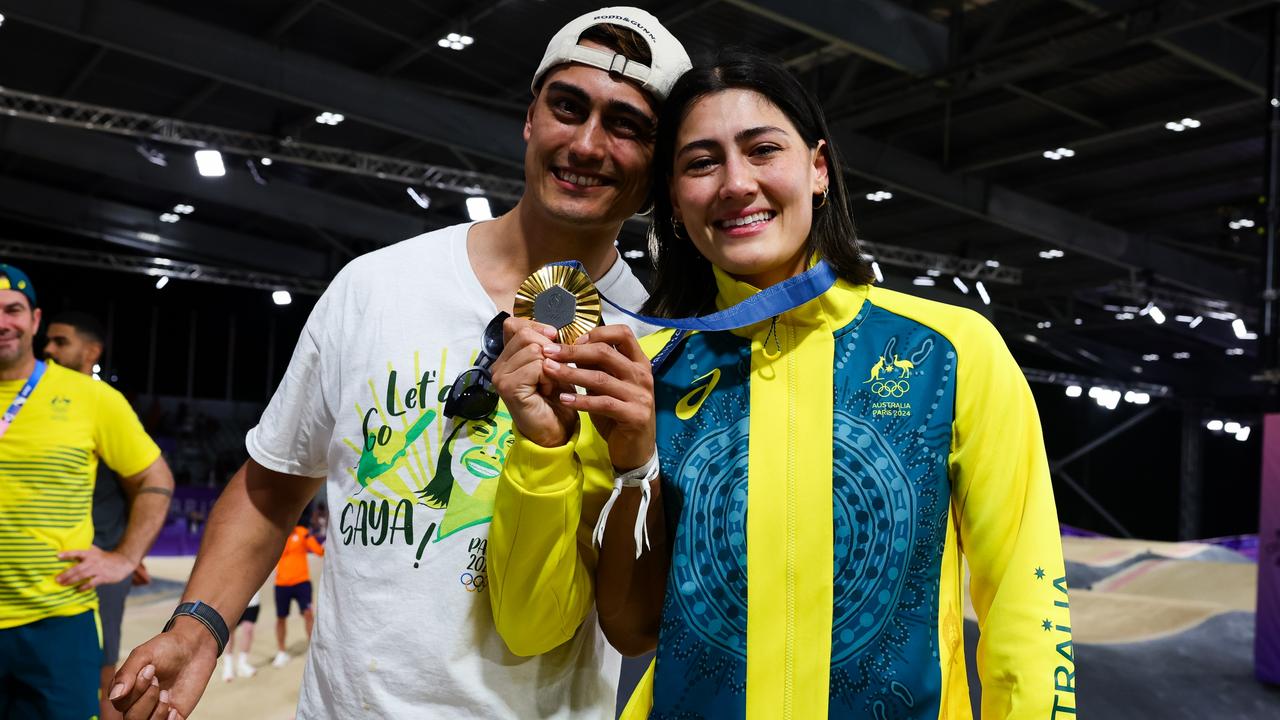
(472, 395)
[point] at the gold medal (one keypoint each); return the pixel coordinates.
(561, 296)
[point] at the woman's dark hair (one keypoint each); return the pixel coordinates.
(683, 282)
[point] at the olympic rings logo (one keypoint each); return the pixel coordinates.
(891, 388)
(473, 583)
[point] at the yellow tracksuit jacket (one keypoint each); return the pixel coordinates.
(822, 477)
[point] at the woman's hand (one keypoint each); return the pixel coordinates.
(528, 392)
(618, 379)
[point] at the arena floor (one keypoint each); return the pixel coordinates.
(1160, 630)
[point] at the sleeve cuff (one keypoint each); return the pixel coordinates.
(280, 465)
(538, 470)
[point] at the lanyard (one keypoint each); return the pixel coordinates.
(774, 300)
(21, 399)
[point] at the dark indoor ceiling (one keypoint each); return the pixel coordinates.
(948, 105)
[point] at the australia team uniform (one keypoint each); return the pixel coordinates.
(50, 645)
(825, 478)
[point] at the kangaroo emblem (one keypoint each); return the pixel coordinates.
(876, 370)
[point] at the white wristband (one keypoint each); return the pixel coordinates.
(643, 478)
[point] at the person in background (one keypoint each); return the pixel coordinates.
(293, 583)
(234, 662)
(75, 341)
(58, 425)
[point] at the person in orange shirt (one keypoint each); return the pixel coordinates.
(293, 583)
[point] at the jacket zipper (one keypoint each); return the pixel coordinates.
(788, 689)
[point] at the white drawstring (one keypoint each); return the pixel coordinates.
(643, 478)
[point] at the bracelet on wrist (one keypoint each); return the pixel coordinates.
(205, 615)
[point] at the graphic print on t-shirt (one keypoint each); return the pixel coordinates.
(420, 477)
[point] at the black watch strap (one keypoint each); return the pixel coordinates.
(207, 617)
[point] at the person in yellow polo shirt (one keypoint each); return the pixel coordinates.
(57, 425)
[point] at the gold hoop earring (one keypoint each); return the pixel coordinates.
(675, 227)
(825, 192)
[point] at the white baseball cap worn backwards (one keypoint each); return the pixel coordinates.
(670, 60)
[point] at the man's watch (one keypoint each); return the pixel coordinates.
(207, 617)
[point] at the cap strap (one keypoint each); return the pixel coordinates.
(610, 62)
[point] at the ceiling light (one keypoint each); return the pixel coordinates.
(1243, 433)
(1232, 427)
(1052, 155)
(1191, 123)
(1079, 321)
(633, 254)
(1241, 331)
(455, 41)
(982, 292)
(478, 208)
(1044, 325)
(164, 280)
(1196, 322)
(281, 297)
(1150, 357)
(1137, 398)
(923, 281)
(1220, 315)
(1095, 392)
(184, 209)
(1073, 391)
(1275, 102)
(1066, 152)
(1, 19)
(1181, 355)
(1051, 253)
(169, 217)
(1108, 399)
(993, 263)
(1235, 351)
(1214, 425)
(960, 285)
(880, 196)
(1182, 318)
(1174, 126)
(1059, 153)
(330, 118)
(266, 161)
(1124, 316)
(875, 268)
(933, 273)
(1156, 313)
(422, 199)
(209, 163)
(1030, 338)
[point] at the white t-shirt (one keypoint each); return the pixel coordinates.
(404, 626)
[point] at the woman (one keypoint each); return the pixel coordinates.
(820, 471)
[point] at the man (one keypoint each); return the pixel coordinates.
(59, 424)
(404, 626)
(293, 584)
(124, 520)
